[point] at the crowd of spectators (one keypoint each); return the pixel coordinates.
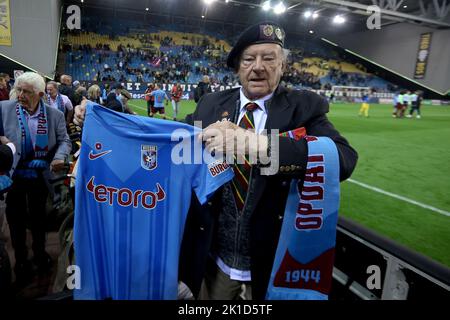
(341, 78)
(168, 63)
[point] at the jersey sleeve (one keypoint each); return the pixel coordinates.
(210, 175)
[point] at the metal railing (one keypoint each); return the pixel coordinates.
(371, 266)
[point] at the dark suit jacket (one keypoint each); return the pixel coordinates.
(112, 102)
(287, 110)
(6, 159)
(59, 144)
(70, 93)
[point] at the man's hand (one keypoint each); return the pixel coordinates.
(4, 140)
(57, 165)
(225, 137)
(80, 112)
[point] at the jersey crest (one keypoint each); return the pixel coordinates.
(149, 157)
(129, 217)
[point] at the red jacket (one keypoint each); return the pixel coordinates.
(149, 97)
(176, 93)
(4, 94)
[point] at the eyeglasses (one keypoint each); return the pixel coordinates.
(24, 91)
(268, 60)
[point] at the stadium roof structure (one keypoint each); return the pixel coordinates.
(229, 17)
(430, 13)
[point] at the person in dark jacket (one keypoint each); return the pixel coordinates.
(67, 89)
(7, 151)
(4, 91)
(113, 100)
(229, 244)
(117, 99)
(203, 88)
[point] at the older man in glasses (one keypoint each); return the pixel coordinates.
(42, 144)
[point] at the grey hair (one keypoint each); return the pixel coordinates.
(53, 83)
(286, 53)
(66, 77)
(33, 79)
(13, 94)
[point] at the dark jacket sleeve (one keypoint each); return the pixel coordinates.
(189, 119)
(203, 112)
(310, 113)
(62, 138)
(6, 158)
(6, 155)
(306, 109)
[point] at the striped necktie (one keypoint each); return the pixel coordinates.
(242, 171)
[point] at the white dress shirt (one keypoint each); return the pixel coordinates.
(259, 117)
(259, 114)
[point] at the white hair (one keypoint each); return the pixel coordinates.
(286, 53)
(13, 94)
(33, 79)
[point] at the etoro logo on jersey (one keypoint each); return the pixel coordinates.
(149, 157)
(124, 196)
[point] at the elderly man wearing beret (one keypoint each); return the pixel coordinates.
(229, 245)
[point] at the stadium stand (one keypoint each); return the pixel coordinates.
(149, 54)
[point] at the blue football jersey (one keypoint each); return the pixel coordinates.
(159, 95)
(133, 191)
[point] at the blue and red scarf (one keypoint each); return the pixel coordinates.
(304, 259)
(40, 148)
(59, 102)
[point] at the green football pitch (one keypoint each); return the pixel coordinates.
(400, 187)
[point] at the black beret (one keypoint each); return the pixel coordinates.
(264, 32)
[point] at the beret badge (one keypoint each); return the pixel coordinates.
(279, 34)
(268, 30)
